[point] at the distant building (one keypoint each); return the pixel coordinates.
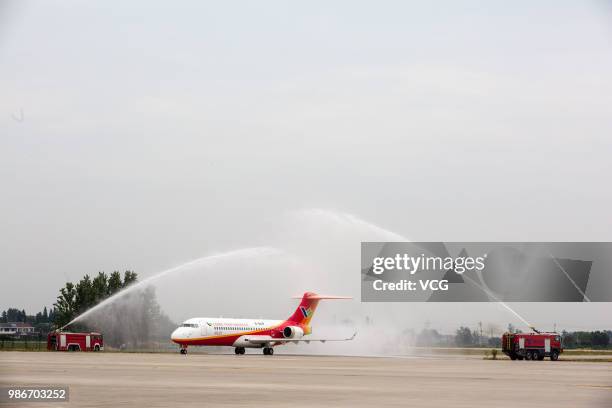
(16, 329)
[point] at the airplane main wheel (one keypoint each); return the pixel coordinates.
(239, 350)
(268, 351)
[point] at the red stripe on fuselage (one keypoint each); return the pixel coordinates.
(229, 339)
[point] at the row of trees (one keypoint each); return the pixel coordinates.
(76, 299)
(585, 339)
(15, 315)
(42, 321)
(466, 337)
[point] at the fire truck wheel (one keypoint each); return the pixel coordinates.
(513, 357)
(96, 348)
(520, 358)
(528, 355)
(554, 355)
(540, 356)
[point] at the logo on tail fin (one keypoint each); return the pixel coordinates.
(306, 312)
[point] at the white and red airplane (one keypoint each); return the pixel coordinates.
(252, 333)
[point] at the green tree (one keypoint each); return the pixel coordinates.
(15, 315)
(584, 339)
(600, 338)
(100, 287)
(114, 282)
(65, 306)
(85, 297)
(129, 277)
(464, 337)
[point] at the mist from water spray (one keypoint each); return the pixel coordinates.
(205, 261)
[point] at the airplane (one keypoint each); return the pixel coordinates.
(253, 333)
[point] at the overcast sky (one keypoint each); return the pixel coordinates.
(156, 133)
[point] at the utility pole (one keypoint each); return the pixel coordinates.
(480, 338)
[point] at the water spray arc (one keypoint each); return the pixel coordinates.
(205, 261)
(500, 302)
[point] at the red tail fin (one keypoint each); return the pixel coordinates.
(303, 314)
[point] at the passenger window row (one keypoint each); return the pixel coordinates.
(235, 328)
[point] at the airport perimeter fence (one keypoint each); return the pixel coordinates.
(25, 343)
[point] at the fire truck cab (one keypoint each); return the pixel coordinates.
(532, 346)
(65, 341)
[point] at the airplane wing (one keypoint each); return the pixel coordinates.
(268, 339)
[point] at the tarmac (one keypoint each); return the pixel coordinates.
(172, 380)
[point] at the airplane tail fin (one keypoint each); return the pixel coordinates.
(303, 314)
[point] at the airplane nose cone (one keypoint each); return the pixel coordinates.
(175, 334)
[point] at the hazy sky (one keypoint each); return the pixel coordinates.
(155, 133)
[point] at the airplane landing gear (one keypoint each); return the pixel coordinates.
(268, 351)
(239, 350)
(183, 350)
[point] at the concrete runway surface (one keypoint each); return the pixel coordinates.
(172, 380)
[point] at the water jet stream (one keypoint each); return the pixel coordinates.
(499, 301)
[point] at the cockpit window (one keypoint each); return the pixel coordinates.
(189, 325)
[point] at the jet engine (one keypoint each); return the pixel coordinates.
(292, 332)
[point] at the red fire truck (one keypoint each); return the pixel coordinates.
(65, 341)
(532, 346)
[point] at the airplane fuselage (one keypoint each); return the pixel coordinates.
(202, 331)
(252, 333)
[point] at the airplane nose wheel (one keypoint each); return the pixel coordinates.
(268, 351)
(239, 350)
(183, 350)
